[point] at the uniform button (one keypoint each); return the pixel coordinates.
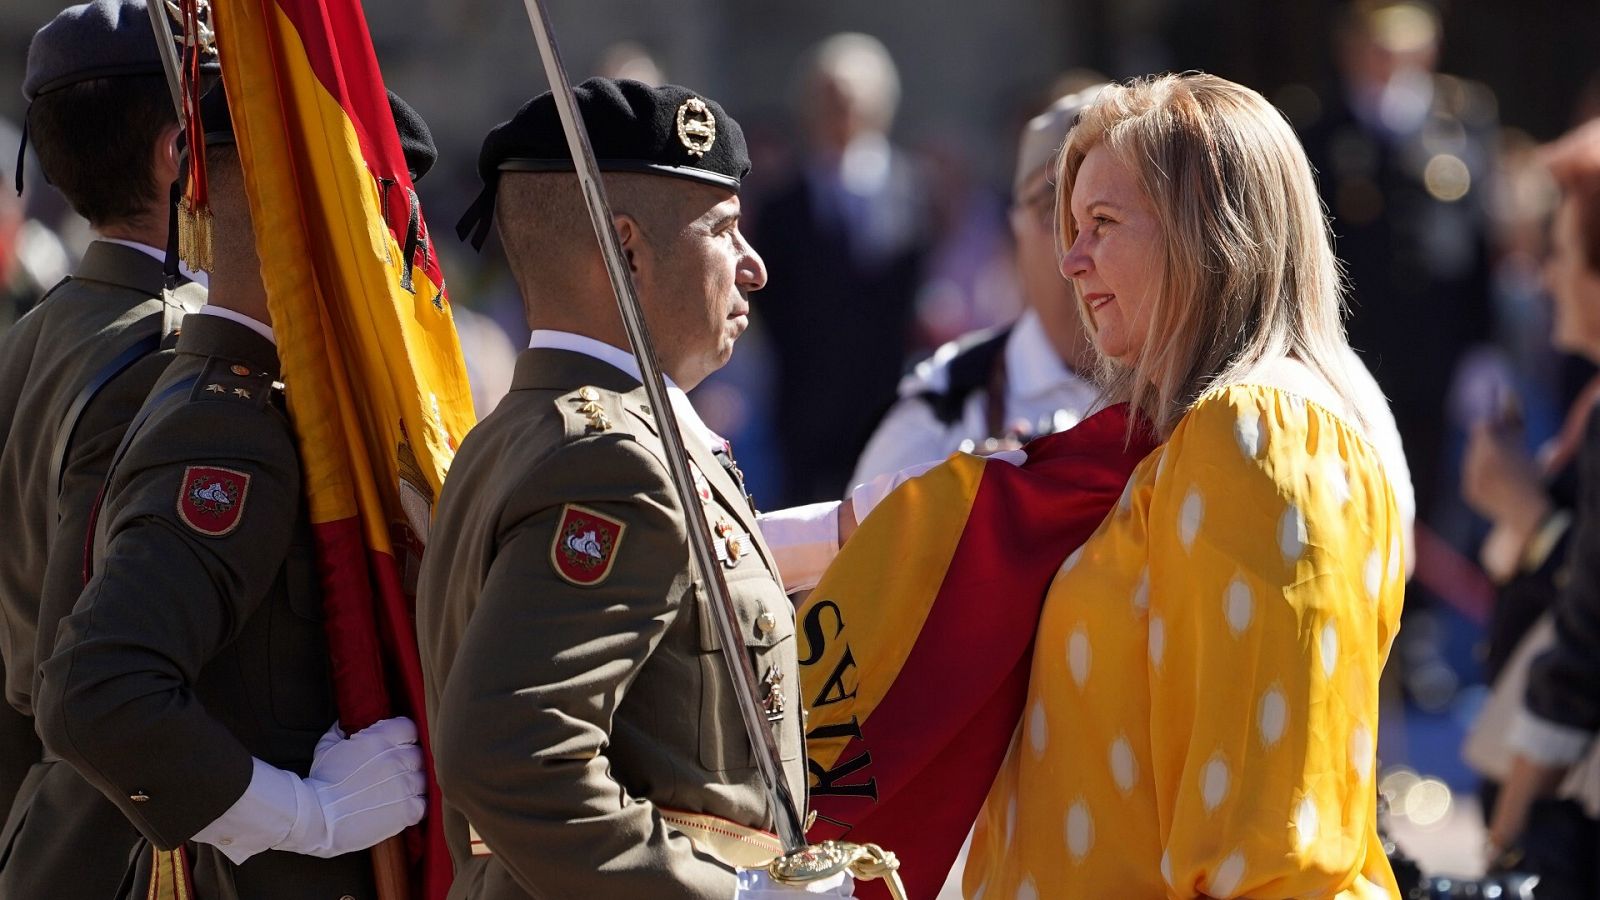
(347, 897)
(765, 623)
(226, 842)
(139, 796)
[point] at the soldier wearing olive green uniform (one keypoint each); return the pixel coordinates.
(73, 372)
(586, 736)
(191, 682)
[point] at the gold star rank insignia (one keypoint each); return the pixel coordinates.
(216, 388)
(241, 392)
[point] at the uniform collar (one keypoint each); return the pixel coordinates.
(119, 264)
(689, 420)
(212, 335)
(1033, 368)
(201, 278)
(223, 312)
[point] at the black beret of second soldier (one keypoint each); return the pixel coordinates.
(633, 127)
(103, 39)
(416, 141)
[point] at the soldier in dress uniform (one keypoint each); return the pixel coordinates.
(73, 372)
(586, 738)
(191, 682)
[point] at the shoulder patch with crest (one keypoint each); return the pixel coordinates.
(211, 499)
(585, 545)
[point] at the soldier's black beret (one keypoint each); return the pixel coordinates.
(416, 141)
(633, 127)
(103, 39)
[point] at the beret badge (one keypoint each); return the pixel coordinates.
(697, 127)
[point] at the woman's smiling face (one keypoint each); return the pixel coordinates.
(1117, 259)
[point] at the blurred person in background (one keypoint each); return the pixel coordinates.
(1031, 377)
(845, 241)
(1404, 155)
(1555, 727)
(32, 258)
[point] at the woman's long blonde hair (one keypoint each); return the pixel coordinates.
(1248, 272)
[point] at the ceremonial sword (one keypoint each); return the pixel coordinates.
(801, 862)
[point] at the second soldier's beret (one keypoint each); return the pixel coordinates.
(633, 127)
(103, 39)
(416, 141)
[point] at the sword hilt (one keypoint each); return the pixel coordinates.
(865, 862)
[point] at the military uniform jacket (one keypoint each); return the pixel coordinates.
(198, 643)
(576, 690)
(73, 372)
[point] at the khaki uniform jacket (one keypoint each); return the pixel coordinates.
(570, 708)
(92, 338)
(199, 641)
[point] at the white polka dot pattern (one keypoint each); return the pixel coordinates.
(1329, 643)
(1305, 823)
(1124, 768)
(1247, 431)
(1225, 880)
(1272, 716)
(1238, 606)
(1214, 781)
(1194, 509)
(1079, 655)
(1292, 534)
(1080, 831)
(1038, 729)
(1158, 640)
(1361, 751)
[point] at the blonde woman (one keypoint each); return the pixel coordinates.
(1203, 698)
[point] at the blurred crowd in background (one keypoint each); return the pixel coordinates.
(883, 142)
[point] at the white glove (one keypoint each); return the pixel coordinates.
(360, 790)
(869, 494)
(756, 884)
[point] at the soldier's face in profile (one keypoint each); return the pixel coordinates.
(698, 294)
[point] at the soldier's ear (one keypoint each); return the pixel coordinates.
(635, 248)
(166, 156)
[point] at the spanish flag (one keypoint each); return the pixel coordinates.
(376, 386)
(916, 645)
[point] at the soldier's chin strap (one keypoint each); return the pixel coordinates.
(169, 264)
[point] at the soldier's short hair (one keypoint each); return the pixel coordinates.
(96, 140)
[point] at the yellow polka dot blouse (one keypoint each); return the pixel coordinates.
(1204, 695)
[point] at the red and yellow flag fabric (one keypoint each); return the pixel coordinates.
(915, 672)
(376, 386)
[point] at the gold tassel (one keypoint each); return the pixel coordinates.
(194, 235)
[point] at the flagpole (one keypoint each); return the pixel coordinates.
(801, 862)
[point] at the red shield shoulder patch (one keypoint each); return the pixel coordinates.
(211, 499)
(585, 546)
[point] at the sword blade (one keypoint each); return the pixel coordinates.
(167, 48)
(768, 759)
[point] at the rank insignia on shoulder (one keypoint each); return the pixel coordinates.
(211, 499)
(585, 545)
